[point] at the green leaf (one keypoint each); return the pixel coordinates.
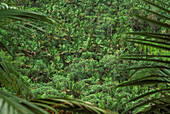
(150, 41)
(156, 13)
(67, 104)
(153, 45)
(151, 3)
(141, 104)
(152, 35)
(142, 59)
(3, 46)
(142, 82)
(162, 75)
(3, 65)
(13, 104)
(146, 67)
(147, 94)
(147, 56)
(157, 107)
(152, 21)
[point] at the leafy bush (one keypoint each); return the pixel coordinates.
(12, 80)
(78, 57)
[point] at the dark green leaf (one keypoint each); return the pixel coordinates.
(142, 82)
(152, 45)
(165, 10)
(152, 35)
(150, 41)
(147, 94)
(153, 21)
(142, 59)
(141, 104)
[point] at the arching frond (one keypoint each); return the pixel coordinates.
(160, 42)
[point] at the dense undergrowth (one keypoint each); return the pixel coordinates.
(79, 57)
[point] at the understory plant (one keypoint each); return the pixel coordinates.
(11, 79)
(77, 57)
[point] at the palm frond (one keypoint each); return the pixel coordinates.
(156, 13)
(153, 4)
(142, 104)
(163, 3)
(157, 107)
(150, 44)
(3, 65)
(164, 45)
(148, 93)
(147, 67)
(146, 56)
(143, 59)
(142, 82)
(9, 75)
(152, 21)
(16, 14)
(11, 104)
(6, 48)
(159, 41)
(152, 35)
(68, 105)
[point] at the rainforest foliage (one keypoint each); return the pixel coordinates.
(82, 55)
